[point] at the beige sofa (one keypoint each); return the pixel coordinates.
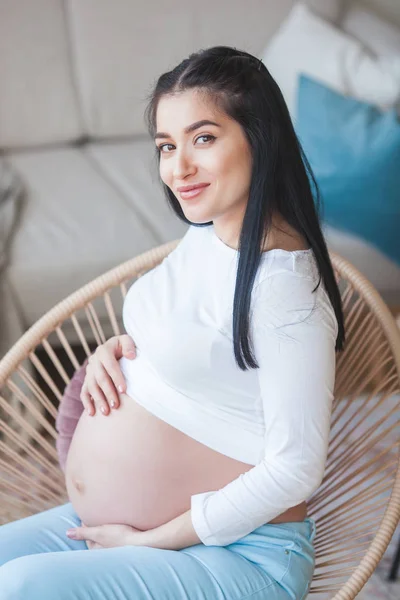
(74, 75)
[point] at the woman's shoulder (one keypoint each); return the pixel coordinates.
(291, 292)
(283, 295)
(286, 266)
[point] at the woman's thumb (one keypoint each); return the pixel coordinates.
(128, 347)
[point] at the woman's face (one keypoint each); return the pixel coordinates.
(216, 154)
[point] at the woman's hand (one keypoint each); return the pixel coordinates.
(71, 533)
(104, 379)
(106, 536)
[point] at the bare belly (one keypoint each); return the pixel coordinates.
(131, 467)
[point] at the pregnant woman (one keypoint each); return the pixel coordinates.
(190, 481)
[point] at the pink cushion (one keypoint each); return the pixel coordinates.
(69, 411)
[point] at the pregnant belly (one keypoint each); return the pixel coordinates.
(131, 467)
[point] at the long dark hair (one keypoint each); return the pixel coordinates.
(282, 180)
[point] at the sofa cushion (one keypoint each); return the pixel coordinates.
(38, 103)
(306, 43)
(354, 151)
(131, 167)
(378, 268)
(121, 48)
(79, 223)
(378, 35)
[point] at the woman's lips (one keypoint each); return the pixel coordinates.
(193, 193)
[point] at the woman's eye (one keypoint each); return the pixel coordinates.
(163, 146)
(211, 137)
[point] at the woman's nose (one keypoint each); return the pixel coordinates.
(182, 166)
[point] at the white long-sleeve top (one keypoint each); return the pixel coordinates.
(277, 417)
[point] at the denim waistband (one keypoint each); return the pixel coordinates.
(307, 528)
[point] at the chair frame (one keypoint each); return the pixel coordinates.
(136, 267)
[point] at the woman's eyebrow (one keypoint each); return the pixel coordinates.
(192, 127)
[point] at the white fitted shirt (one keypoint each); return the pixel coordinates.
(277, 417)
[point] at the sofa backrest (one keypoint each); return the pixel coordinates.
(76, 68)
(38, 102)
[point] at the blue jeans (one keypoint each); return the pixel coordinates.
(39, 562)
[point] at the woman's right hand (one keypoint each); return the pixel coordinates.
(104, 380)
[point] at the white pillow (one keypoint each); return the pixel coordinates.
(378, 35)
(328, 9)
(305, 43)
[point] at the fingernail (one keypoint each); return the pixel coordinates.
(120, 388)
(71, 533)
(103, 410)
(112, 404)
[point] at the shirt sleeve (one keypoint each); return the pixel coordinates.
(294, 334)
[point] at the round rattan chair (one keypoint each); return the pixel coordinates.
(357, 506)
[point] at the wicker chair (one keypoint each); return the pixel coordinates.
(357, 506)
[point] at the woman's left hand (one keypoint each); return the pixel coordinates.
(106, 536)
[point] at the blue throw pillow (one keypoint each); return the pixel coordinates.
(354, 151)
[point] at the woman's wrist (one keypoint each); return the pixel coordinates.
(173, 535)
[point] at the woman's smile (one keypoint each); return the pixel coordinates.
(193, 193)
